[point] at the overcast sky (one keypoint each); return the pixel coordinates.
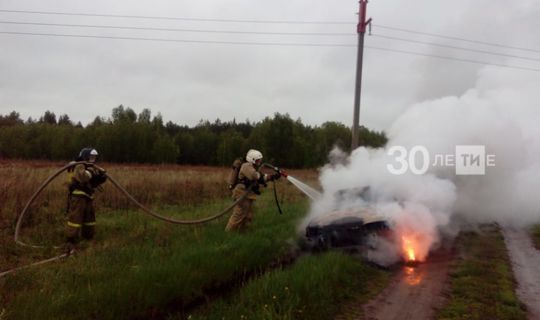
(186, 82)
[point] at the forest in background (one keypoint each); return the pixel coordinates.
(128, 137)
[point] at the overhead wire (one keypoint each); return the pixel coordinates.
(262, 21)
(434, 44)
(265, 33)
(179, 29)
(269, 44)
(264, 43)
(181, 40)
(456, 38)
(454, 59)
(278, 44)
(174, 18)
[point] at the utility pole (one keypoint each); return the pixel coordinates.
(361, 30)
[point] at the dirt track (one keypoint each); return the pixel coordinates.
(526, 266)
(413, 293)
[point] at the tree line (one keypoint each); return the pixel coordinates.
(142, 138)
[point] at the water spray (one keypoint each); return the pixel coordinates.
(306, 189)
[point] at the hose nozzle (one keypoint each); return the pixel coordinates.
(276, 169)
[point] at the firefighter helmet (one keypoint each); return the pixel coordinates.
(253, 155)
(86, 153)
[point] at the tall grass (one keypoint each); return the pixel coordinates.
(314, 288)
(141, 268)
(482, 285)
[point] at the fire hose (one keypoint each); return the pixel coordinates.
(130, 197)
(126, 193)
(282, 173)
(64, 255)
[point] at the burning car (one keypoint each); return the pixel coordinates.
(360, 229)
(348, 228)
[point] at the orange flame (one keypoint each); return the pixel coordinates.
(408, 248)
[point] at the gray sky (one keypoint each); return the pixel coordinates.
(190, 81)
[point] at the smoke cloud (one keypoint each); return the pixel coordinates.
(501, 113)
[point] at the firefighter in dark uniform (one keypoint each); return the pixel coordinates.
(84, 180)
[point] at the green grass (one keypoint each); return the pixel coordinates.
(481, 281)
(139, 267)
(535, 233)
(313, 288)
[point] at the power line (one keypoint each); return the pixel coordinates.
(455, 47)
(454, 59)
(182, 40)
(177, 29)
(456, 38)
(173, 18)
(269, 22)
(261, 33)
(270, 44)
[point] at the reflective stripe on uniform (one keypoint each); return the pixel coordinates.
(74, 225)
(89, 223)
(81, 193)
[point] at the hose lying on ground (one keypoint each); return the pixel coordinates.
(125, 192)
(65, 255)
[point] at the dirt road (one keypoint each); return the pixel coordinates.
(526, 266)
(413, 293)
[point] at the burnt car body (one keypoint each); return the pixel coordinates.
(347, 229)
(359, 228)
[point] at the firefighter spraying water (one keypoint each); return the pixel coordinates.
(245, 181)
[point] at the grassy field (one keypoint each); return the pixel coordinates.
(156, 186)
(535, 234)
(140, 268)
(482, 285)
(313, 288)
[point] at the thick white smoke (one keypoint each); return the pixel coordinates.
(502, 113)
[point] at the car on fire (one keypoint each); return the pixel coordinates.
(358, 229)
(346, 228)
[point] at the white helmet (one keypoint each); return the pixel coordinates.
(86, 153)
(253, 155)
